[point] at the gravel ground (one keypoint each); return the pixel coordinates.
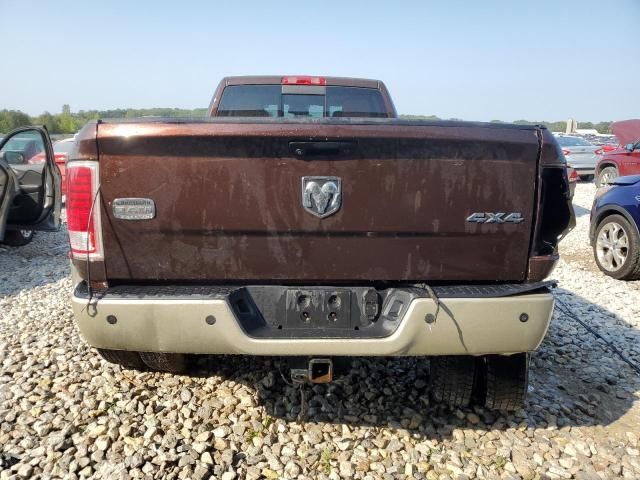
(65, 413)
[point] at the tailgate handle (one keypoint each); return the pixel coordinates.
(307, 149)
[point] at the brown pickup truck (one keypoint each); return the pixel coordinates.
(303, 219)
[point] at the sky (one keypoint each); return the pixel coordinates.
(475, 60)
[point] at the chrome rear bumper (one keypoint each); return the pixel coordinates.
(462, 326)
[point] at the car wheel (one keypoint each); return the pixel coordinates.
(452, 379)
(18, 238)
(606, 175)
(505, 381)
(165, 362)
(617, 248)
(123, 358)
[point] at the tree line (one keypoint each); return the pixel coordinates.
(559, 126)
(71, 122)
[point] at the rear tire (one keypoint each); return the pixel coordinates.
(18, 238)
(123, 358)
(452, 379)
(505, 380)
(165, 362)
(606, 175)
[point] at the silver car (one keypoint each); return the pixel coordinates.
(580, 154)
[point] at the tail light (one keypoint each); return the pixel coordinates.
(600, 151)
(60, 157)
(566, 152)
(573, 175)
(37, 159)
(554, 212)
(304, 80)
(555, 215)
(83, 211)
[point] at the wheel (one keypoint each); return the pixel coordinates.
(617, 248)
(18, 238)
(606, 175)
(165, 362)
(586, 178)
(452, 379)
(123, 358)
(505, 380)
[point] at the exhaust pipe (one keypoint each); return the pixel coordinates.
(319, 370)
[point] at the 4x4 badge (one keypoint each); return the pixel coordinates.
(499, 217)
(321, 196)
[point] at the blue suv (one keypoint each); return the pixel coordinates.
(614, 232)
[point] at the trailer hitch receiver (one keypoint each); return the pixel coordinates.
(319, 370)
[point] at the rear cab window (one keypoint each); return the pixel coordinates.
(315, 102)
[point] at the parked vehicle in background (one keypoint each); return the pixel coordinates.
(624, 160)
(61, 150)
(602, 149)
(615, 228)
(572, 175)
(604, 142)
(580, 154)
(29, 192)
(331, 229)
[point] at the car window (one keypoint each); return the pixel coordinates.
(23, 147)
(573, 141)
(269, 101)
(355, 102)
(250, 101)
(296, 106)
(63, 147)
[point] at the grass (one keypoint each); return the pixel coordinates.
(500, 462)
(251, 434)
(325, 461)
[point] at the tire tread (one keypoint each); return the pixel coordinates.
(452, 380)
(164, 362)
(506, 381)
(123, 358)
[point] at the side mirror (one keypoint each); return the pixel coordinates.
(629, 147)
(13, 158)
(22, 144)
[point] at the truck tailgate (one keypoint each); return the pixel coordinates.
(229, 203)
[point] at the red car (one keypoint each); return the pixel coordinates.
(624, 160)
(61, 151)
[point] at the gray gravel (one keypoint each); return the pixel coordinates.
(65, 413)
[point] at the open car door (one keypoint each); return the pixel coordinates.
(30, 185)
(7, 192)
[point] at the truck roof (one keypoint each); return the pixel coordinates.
(277, 80)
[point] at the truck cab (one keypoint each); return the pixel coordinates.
(301, 96)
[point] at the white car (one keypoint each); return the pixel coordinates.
(580, 154)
